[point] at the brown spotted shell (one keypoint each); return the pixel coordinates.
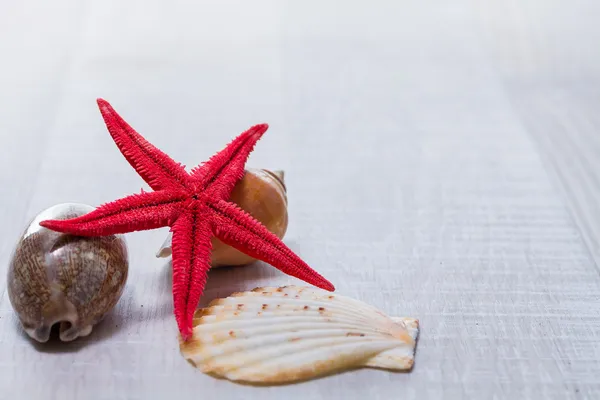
(261, 193)
(65, 280)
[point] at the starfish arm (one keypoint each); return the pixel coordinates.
(240, 230)
(191, 261)
(221, 172)
(158, 169)
(137, 212)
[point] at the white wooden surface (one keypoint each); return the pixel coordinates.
(440, 161)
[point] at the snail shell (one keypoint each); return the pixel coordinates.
(55, 278)
(262, 194)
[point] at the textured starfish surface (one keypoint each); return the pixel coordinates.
(195, 205)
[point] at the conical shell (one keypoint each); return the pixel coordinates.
(281, 335)
(262, 194)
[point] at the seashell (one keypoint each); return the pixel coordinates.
(262, 194)
(71, 281)
(282, 335)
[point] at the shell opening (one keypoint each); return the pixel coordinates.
(64, 330)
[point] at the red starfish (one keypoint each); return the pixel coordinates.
(195, 205)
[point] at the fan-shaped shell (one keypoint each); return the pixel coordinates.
(279, 335)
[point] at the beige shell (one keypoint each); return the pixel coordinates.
(261, 193)
(67, 280)
(287, 334)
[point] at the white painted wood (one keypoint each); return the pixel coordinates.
(546, 55)
(425, 165)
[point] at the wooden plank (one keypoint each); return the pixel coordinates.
(416, 182)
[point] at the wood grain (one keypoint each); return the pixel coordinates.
(439, 158)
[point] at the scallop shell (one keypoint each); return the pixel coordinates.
(281, 335)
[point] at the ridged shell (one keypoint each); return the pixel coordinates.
(281, 335)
